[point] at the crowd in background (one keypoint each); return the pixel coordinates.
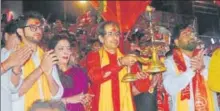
(49, 61)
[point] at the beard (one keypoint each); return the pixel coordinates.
(31, 39)
(190, 46)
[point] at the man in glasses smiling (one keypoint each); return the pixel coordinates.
(40, 76)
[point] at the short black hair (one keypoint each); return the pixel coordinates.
(10, 28)
(53, 42)
(177, 30)
(38, 104)
(22, 20)
(101, 28)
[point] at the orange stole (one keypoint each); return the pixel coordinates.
(33, 93)
(105, 100)
(182, 105)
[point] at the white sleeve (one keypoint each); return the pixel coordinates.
(174, 82)
(57, 80)
(12, 87)
(15, 90)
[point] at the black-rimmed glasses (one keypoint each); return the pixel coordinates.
(34, 28)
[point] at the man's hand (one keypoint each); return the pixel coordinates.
(128, 60)
(19, 56)
(87, 98)
(142, 75)
(197, 62)
(49, 59)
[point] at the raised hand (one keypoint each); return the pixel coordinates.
(128, 60)
(19, 56)
(49, 59)
(197, 62)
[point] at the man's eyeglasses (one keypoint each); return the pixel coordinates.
(34, 28)
(113, 34)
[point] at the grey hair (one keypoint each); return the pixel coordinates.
(48, 104)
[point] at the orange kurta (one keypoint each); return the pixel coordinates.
(96, 73)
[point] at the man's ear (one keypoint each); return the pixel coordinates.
(101, 39)
(20, 32)
(176, 41)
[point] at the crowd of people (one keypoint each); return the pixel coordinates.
(53, 70)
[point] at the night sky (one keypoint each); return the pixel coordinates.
(45, 7)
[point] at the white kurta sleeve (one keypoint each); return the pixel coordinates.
(12, 87)
(15, 90)
(57, 80)
(174, 82)
(7, 75)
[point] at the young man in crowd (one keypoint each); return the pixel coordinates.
(39, 74)
(11, 60)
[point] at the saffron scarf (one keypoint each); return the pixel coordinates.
(105, 100)
(33, 93)
(203, 100)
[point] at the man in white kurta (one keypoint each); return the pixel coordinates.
(182, 66)
(174, 83)
(8, 90)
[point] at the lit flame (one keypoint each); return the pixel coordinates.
(149, 8)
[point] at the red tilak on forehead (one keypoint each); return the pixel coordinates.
(34, 21)
(114, 29)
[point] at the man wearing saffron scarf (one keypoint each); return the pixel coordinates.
(106, 68)
(40, 77)
(186, 77)
(214, 74)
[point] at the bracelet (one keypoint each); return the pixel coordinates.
(15, 72)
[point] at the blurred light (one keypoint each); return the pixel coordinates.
(83, 2)
(11, 12)
(212, 40)
(136, 30)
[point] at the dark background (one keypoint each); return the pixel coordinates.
(207, 23)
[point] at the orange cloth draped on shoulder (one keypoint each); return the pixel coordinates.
(33, 93)
(203, 100)
(110, 93)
